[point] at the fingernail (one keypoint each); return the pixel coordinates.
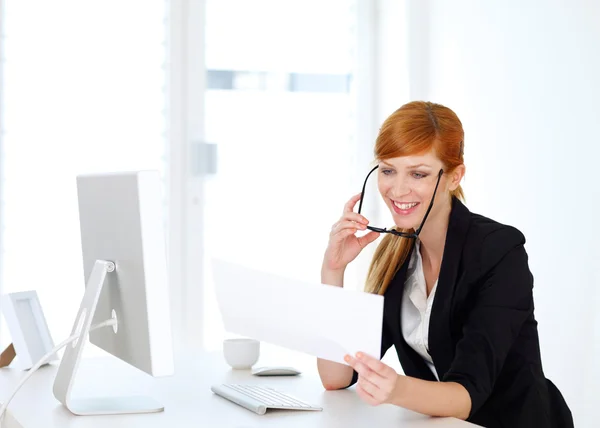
(347, 358)
(359, 355)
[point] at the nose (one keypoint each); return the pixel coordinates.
(400, 188)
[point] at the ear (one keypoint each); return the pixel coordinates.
(456, 177)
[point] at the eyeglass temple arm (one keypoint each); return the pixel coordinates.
(362, 193)
(431, 204)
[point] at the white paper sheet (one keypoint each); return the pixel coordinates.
(320, 320)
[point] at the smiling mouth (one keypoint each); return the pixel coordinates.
(405, 206)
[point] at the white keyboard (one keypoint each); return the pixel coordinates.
(259, 398)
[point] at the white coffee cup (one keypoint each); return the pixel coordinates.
(241, 353)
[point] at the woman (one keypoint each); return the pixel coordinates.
(458, 302)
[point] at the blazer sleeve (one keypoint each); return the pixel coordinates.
(386, 343)
(503, 303)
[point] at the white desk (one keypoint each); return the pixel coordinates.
(189, 401)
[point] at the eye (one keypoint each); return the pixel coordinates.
(419, 175)
(387, 171)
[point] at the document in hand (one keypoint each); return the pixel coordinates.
(321, 320)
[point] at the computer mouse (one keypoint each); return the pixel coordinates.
(275, 371)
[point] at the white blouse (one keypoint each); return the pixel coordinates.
(416, 308)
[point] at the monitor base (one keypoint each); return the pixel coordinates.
(114, 405)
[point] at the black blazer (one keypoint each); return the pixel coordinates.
(482, 331)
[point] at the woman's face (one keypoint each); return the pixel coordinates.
(407, 184)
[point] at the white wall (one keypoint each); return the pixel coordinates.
(524, 79)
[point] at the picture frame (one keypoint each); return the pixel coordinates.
(31, 339)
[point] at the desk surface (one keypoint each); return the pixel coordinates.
(189, 401)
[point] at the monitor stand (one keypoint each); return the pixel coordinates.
(69, 364)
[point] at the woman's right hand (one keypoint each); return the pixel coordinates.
(344, 245)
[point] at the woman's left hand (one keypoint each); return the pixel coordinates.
(376, 381)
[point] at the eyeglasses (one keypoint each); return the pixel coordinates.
(413, 235)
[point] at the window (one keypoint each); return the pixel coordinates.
(280, 106)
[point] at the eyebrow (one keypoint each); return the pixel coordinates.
(419, 166)
(409, 167)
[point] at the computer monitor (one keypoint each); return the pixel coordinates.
(124, 261)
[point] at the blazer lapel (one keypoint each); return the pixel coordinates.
(441, 346)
